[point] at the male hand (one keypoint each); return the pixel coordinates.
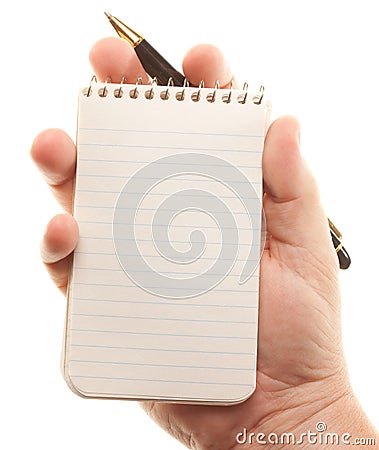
(302, 375)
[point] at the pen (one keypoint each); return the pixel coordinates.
(343, 257)
(156, 66)
(151, 60)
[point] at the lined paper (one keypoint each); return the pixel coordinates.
(127, 340)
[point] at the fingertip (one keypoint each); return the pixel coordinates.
(292, 204)
(284, 169)
(43, 141)
(115, 58)
(55, 155)
(286, 132)
(206, 62)
(60, 238)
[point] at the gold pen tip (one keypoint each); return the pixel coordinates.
(124, 31)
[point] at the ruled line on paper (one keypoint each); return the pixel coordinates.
(123, 177)
(166, 303)
(208, 336)
(161, 194)
(155, 147)
(160, 132)
(107, 269)
(79, 252)
(100, 206)
(173, 319)
(148, 349)
(162, 225)
(129, 161)
(161, 381)
(246, 291)
(177, 366)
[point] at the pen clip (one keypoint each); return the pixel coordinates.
(335, 229)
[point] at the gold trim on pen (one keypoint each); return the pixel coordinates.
(339, 247)
(124, 31)
(335, 229)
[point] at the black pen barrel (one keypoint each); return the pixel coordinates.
(156, 66)
(343, 257)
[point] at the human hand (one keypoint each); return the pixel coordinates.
(301, 369)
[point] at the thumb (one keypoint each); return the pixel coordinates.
(294, 214)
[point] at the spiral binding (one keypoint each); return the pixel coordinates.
(180, 93)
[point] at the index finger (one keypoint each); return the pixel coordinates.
(115, 58)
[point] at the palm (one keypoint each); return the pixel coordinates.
(289, 330)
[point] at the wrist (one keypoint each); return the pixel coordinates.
(340, 423)
(331, 420)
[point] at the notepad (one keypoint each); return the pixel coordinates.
(163, 293)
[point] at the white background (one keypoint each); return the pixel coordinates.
(318, 61)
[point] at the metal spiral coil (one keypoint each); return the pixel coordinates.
(179, 93)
